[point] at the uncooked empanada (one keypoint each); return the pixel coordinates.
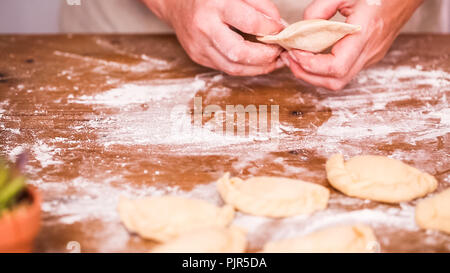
(273, 196)
(212, 240)
(340, 239)
(378, 178)
(311, 35)
(434, 212)
(163, 218)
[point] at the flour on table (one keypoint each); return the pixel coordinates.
(141, 67)
(370, 96)
(142, 93)
(132, 125)
(132, 103)
(45, 154)
(2, 107)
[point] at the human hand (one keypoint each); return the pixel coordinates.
(380, 26)
(203, 28)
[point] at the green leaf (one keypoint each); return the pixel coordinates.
(4, 175)
(10, 191)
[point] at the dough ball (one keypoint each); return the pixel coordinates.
(212, 240)
(273, 196)
(340, 239)
(163, 218)
(434, 212)
(311, 35)
(378, 178)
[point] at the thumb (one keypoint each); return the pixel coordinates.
(323, 9)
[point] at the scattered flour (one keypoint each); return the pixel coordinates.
(366, 110)
(374, 119)
(45, 154)
(141, 67)
(402, 76)
(15, 152)
(161, 123)
(2, 105)
(372, 92)
(142, 93)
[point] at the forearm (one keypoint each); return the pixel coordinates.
(161, 8)
(401, 11)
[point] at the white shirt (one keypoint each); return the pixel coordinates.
(132, 16)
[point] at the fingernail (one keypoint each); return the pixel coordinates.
(270, 18)
(278, 21)
(284, 22)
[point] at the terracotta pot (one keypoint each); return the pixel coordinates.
(19, 227)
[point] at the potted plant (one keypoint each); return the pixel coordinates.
(20, 208)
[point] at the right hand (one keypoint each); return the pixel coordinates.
(203, 29)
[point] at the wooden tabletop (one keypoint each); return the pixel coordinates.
(104, 116)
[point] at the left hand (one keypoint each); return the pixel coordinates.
(380, 26)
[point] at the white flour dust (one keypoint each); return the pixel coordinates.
(371, 109)
(2, 107)
(402, 76)
(360, 112)
(128, 94)
(142, 66)
(165, 119)
(45, 154)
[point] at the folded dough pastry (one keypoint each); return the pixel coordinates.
(272, 196)
(378, 178)
(434, 212)
(164, 218)
(340, 239)
(211, 240)
(311, 35)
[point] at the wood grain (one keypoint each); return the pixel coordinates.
(87, 149)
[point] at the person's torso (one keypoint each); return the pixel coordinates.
(132, 16)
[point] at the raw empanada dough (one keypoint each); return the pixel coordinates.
(163, 218)
(311, 35)
(378, 178)
(340, 239)
(212, 240)
(434, 212)
(273, 196)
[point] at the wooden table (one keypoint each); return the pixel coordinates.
(104, 116)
